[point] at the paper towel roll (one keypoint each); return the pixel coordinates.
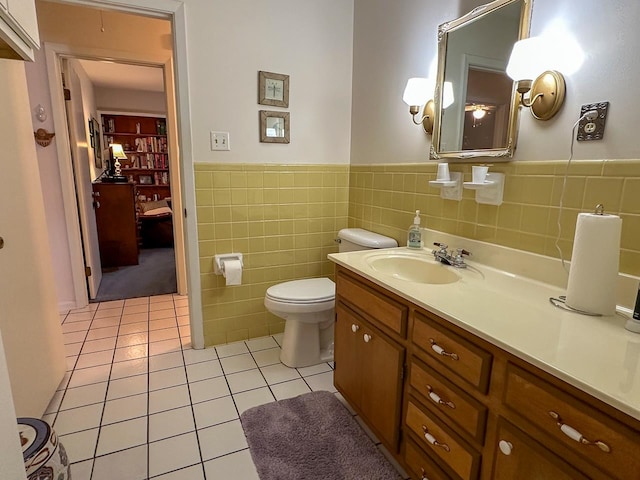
(232, 271)
(593, 276)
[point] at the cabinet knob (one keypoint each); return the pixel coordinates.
(1, 242)
(441, 351)
(505, 447)
(354, 327)
(367, 338)
(433, 441)
(575, 435)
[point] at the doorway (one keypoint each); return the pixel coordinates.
(126, 220)
(147, 267)
(89, 45)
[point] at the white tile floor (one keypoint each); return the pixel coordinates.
(137, 402)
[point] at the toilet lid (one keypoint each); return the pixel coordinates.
(310, 290)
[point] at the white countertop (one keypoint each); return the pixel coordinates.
(594, 354)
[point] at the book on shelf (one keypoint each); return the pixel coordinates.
(151, 144)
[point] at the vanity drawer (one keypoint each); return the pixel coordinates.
(420, 465)
(469, 414)
(435, 438)
(452, 351)
(388, 312)
(574, 423)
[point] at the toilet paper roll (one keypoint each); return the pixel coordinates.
(232, 271)
(593, 276)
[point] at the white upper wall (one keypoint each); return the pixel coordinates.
(392, 42)
(49, 176)
(395, 42)
(309, 40)
(123, 100)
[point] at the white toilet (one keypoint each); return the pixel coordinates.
(308, 306)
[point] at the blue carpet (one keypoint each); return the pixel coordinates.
(154, 275)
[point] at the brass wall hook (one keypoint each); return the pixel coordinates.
(43, 138)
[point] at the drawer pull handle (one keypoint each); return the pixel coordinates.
(354, 327)
(574, 434)
(441, 351)
(367, 338)
(432, 440)
(505, 447)
(437, 399)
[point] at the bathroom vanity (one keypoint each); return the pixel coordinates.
(480, 377)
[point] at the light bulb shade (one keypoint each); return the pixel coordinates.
(117, 152)
(529, 58)
(418, 91)
(447, 95)
(479, 113)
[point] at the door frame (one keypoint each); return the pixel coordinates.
(176, 82)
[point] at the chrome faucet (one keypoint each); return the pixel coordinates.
(449, 258)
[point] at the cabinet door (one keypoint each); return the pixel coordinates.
(347, 376)
(381, 363)
(26, 21)
(519, 456)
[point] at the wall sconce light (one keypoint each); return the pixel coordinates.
(529, 58)
(418, 92)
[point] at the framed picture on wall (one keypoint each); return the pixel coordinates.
(273, 89)
(95, 142)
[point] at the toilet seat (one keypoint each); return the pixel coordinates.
(302, 292)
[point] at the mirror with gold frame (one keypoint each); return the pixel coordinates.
(481, 119)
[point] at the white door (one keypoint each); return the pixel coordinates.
(78, 123)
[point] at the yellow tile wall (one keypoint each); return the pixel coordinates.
(383, 198)
(283, 218)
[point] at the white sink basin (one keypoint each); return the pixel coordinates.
(413, 268)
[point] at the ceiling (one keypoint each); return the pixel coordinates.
(125, 76)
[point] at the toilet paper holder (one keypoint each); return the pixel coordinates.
(218, 262)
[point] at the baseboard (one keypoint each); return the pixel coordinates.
(64, 307)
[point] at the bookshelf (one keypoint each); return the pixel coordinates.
(144, 140)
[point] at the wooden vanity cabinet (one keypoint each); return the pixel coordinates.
(368, 362)
(468, 410)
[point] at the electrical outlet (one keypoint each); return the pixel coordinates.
(220, 141)
(592, 129)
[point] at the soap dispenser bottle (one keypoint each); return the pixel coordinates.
(414, 239)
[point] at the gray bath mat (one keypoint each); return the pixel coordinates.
(312, 437)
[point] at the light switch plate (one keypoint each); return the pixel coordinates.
(220, 141)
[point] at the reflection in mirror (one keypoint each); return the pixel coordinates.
(472, 57)
(275, 127)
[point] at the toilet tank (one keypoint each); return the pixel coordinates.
(352, 239)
